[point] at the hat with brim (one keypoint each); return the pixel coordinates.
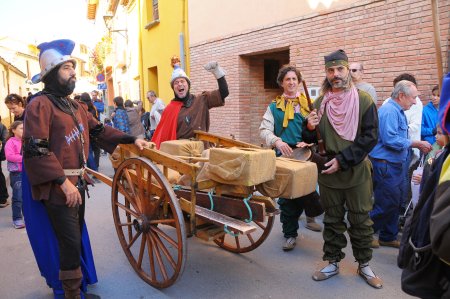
(52, 55)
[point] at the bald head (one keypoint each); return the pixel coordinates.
(357, 71)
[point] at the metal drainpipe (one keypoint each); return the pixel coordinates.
(183, 62)
(181, 38)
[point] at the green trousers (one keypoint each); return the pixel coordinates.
(291, 209)
(357, 202)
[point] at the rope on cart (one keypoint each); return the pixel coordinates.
(248, 208)
(210, 194)
(225, 229)
(176, 187)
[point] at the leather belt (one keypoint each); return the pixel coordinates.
(74, 172)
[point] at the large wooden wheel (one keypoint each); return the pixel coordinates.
(149, 222)
(244, 243)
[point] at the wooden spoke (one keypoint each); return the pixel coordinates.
(163, 249)
(238, 245)
(150, 249)
(136, 236)
(159, 258)
(250, 238)
(247, 242)
(166, 237)
(129, 197)
(260, 225)
(127, 209)
(153, 242)
(141, 251)
(130, 229)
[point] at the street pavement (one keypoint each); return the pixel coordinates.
(210, 272)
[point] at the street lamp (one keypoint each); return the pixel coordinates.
(108, 23)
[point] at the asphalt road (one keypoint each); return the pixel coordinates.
(210, 272)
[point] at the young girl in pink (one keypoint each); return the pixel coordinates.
(13, 153)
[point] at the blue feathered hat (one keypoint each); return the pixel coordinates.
(444, 105)
(53, 54)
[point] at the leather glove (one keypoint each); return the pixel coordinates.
(214, 68)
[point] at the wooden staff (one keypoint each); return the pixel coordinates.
(437, 41)
(322, 151)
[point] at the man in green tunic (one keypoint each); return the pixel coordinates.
(348, 122)
(281, 129)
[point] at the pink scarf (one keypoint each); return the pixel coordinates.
(342, 109)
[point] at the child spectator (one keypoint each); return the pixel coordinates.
(108, 122)
(13, 155)
(442, 139)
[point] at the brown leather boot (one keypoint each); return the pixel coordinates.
(71, 283)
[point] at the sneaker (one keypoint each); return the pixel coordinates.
(326, 272)
(374, 243)
(289, 244)
(5, 204)
(394, 243)
(311, 224)
(18, 224)
(369, 276)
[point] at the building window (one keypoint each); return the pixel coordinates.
(271, 67)
(155, 10)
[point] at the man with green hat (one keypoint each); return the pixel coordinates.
(348, 122)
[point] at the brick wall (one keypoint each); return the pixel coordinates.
(390, 37)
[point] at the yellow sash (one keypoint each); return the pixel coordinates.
(288, 107)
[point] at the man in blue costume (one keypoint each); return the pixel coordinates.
(55, 147)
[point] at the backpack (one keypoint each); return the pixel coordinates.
(424, 274)
(145, 120)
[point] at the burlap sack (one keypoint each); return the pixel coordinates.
(235, 166)
(116, 157)
(182, 147)
(172, 177)
(293, 179)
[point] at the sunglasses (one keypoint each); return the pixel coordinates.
(354, 70)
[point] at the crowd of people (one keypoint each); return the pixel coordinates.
(370, 154)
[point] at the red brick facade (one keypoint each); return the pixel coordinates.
(390, 37)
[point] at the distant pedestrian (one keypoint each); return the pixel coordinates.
(3, 190)
(357, 73)
(155, 112)
(13, 153)
(134, 118)
(98, 102)
(120, 116)
(16, 105)
(430, 117)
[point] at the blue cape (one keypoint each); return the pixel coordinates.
(45, 246)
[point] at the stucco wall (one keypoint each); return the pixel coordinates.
(209, 19)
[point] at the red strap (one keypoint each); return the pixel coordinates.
(167, 127)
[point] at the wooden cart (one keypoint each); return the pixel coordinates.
(153, 217)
